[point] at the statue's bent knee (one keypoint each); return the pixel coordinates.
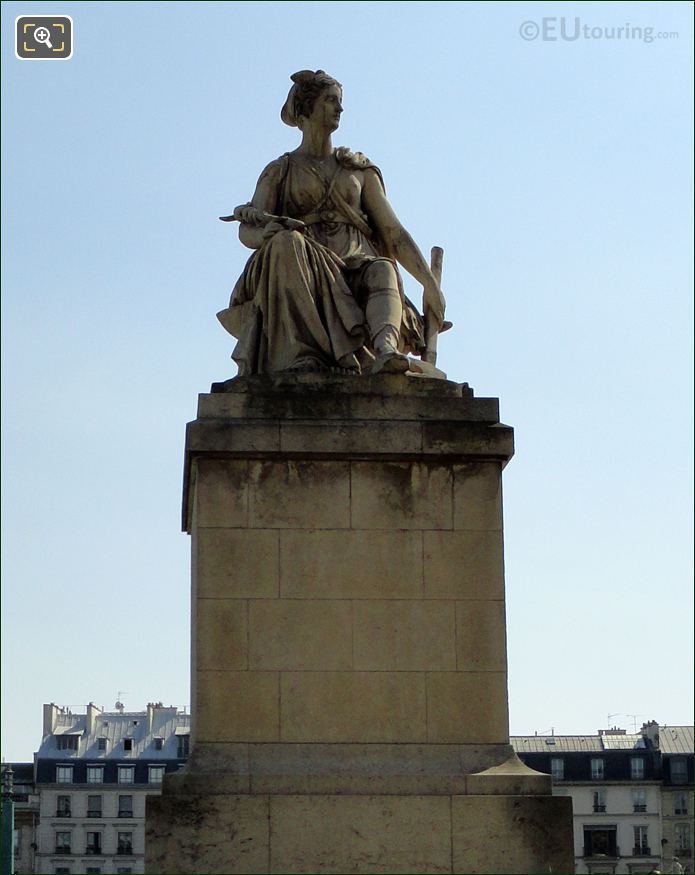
(286, 241)
(381, 275)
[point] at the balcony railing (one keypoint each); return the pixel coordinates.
(63, 812)
(125, 813)
(638, 808)
(92, 850)
(611, 854)
(641, 851)
(598, 807)
(63, 850)
(94, 812)
(125, 851)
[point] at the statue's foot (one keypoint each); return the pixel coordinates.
(391, 363)
(307, 365)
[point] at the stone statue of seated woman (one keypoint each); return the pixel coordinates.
(322, 289)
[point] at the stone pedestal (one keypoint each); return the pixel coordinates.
(349, 685)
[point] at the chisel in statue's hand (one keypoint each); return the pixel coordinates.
(251, 216)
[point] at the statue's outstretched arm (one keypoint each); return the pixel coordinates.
(399, 241)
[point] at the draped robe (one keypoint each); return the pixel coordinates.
(302, 294)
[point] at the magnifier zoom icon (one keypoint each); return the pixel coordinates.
(43, 35)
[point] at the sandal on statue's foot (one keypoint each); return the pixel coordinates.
(391, 363)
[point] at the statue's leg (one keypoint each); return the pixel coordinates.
(384, 311)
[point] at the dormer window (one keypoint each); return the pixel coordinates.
(67, 742)
(158, 743)
(101, 743)
(127, 744)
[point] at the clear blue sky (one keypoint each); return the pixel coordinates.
(557, 177)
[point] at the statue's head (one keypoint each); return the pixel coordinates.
(308, 87)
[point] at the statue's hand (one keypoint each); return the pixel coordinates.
(434, 302)
(248, 214)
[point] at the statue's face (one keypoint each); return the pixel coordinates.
(328, 108)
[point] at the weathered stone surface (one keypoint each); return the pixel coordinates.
(300, 634)
(367, 399)
(404, 636)
(236, 563)
(306, 833)
(222, 634)
(363, 834)
(237, 706)
(512, 834)
(399, 495)
(299, 495)
(353, 706)
(351, 564)
(463, 565)
(392, 438)
(467, 708)
(207, 834)
(478, 496)
(221, 492)
(480, 636)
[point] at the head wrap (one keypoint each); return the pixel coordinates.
(307, 86)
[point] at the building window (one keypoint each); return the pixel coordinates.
(156, 774)
(63, 842)
(637, 768)
(639, 801)
(679, 770)
(557, 768)
(682, 837)
(641, 848)
(125, 806)
(101, 743)
(67, 742)
(125, 843)
(600, 842)
(599, 800)
(93, 843)
(184, 746)
(95, 774)
(126, 774)
(127, 744)
(64, 774)
(93, 806)
(597, 769)
(63, 807)
(158, 742)
(680, 803)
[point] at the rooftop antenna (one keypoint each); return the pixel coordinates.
(119, 706)
(609, 717)
(634, 721)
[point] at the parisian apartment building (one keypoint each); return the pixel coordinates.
(85, 808)
(632, 795)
